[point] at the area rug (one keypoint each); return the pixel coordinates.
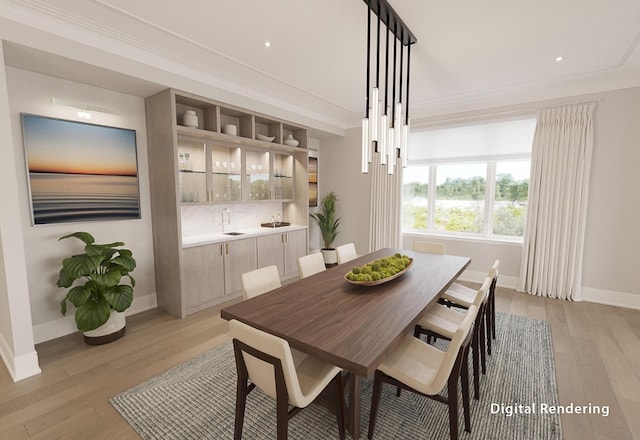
(196, 400)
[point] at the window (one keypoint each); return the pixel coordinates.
(469, 180)
(460, 197)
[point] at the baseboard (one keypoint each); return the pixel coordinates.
(611, 298)
(19, 367)
(66, 325)
(472, 276)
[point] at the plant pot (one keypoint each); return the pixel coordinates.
(330, 256)
(110, 331)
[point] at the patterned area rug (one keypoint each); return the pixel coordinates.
(196, 400)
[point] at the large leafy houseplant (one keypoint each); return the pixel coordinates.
(327, 220)
(102, 266)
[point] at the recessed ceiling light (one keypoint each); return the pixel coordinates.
(559, 58)
(267, 44)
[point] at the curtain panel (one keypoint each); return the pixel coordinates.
(554, 236)
(386, 205)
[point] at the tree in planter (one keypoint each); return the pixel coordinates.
(102, 266)
(328, 222)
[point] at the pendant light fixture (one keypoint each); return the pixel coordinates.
(383, 130)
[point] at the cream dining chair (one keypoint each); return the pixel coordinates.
(259, 281)
(346, 252)
(290, 377)
(423, 369)
(441, 322)
(429, 247)
(310, 265)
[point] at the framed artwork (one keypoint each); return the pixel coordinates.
(80, 172)
(313, 181)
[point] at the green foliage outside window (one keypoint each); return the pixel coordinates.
(508, 218)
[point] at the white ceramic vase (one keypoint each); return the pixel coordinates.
(330, 256)
(110, 331)
(190, 119)
(291, 141)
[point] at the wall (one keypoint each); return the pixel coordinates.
(339, 170)
(612, 233)
(612, 239)
(31, 93)
(16, 333)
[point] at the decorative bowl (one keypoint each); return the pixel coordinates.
(381, 281)
(262, 137)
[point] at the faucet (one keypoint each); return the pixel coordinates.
(228, 217)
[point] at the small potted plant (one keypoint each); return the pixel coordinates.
(100, 300)
(328, 223)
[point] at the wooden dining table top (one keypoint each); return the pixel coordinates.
(351, 326)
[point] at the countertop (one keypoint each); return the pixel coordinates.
(220, 237)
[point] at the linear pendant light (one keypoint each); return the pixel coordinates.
(382, 129)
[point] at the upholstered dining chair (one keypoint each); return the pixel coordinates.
(310, 265)
(259, 281)
(441, 322)
(462, 296)
(290, 377)
(423, 369)
(346, 252)
(429, 247)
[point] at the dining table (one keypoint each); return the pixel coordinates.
(352, 326)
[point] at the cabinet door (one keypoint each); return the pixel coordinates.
(240, 257)
(295, 247)
(271, 251)
(203, 274)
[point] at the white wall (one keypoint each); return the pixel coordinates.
(31, 93)
(612, 235)
(16, 334)
(339, 170)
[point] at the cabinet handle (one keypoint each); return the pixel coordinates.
(226, 245)
(221, 253)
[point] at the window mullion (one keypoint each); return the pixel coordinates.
(490, 197)
(431, 210)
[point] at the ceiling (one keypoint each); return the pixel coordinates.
(469, 55)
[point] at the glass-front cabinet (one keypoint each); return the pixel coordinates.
(192, 170)
(257, 175)
(282, 176)
(212, 172)
(226, 174)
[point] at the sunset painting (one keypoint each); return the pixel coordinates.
(80, 172)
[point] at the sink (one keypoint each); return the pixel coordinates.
(233, 233)
(275, 224)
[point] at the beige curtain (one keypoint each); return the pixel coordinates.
(558, 193)
(385, 207)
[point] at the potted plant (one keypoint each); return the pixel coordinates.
(328, 223)
(101, 300)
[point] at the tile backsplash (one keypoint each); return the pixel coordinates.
(203, 219)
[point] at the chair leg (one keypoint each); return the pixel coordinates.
(476, 364)
(241, 401)
(340, 404)
(375, 401)
(482, 338)
(464, 376)
(453, 406)
(492, 300)
(282, 411)
(487, 323)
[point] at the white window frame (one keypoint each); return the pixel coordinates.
(490, 196)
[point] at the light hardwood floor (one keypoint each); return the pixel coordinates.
(596, 348)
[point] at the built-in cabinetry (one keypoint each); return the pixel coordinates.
(282, 250)
(212, 272)
(230, 156)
